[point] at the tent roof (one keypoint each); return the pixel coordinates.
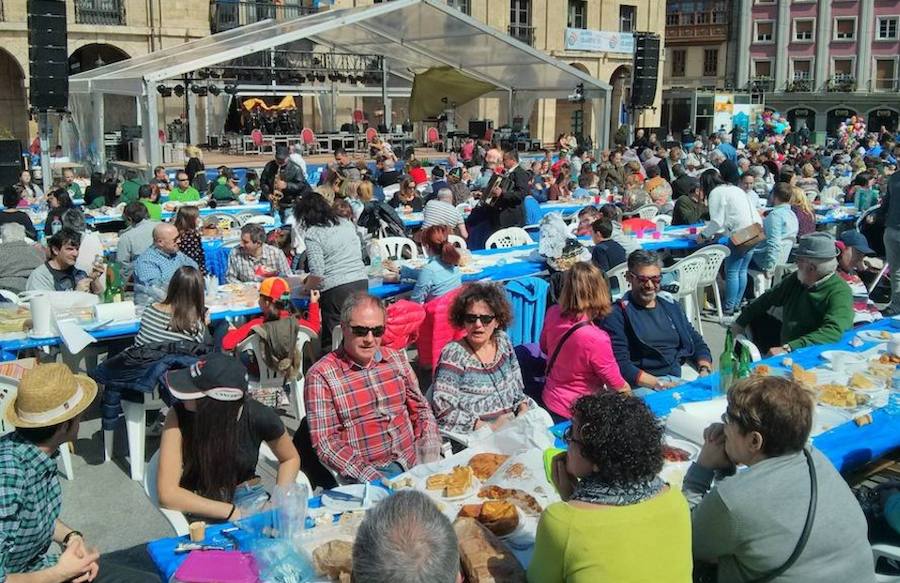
(412, 35)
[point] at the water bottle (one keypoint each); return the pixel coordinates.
(726, 363)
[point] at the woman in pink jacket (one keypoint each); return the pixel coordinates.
(584, 363)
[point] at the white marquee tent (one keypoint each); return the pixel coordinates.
(411, 35)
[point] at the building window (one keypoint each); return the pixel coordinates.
(577, 14)
(520, 21)
(843, 67)
(844, 28)
(720, 17)
(710, 62)
(679, 58)
(103, 12)
(703, 18)
(464, 6)
(764, 31)
(804, 30)
(886, 75)
(627, 18)
(887, 28)
(802, 69)
(762, 68)
(672, 19)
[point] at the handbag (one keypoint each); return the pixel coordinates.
(707, 573)
(562, 341)
(743, 240)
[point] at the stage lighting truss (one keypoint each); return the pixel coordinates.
(296, 68)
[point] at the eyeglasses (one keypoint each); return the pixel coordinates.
(644, 279)
(363, 331)
(728, 418)
(182, 180)
(485, 319)
(569, 436)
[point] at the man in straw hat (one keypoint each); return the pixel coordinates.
(45, 411)
(817, 305)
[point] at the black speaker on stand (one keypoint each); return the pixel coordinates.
(646, 70)
(10, 162)
(47, 55)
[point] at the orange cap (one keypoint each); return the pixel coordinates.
(274, 288)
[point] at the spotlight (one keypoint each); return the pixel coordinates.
(214, 90)
(215, 73)
(320, 76)
(343, 78)
(231, 89)
(203, 74)
(164, 90)
(310, 76)
(179, 90)
(195, 89)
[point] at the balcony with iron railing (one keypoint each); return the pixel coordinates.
(522, 33)
(762, 84)
(226, 15)
(884, 85)
(841, 84)
(802, 83)
(100, 12)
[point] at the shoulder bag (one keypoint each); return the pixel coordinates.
(562, 341)
(743, 240)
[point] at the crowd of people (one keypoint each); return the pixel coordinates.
(367, 415)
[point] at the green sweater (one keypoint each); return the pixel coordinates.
(648, 541)
(222, 192)
(154, 208)
(130, 191)
(191, 194)
(810, 316)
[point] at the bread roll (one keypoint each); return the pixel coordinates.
(485, 559)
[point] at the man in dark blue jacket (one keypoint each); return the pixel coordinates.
(651, 336)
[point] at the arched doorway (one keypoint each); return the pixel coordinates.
(834, 118)
(575, 117)
(118, 110)
(801, 117)
(883, 116)
(620, 80)
(13, 101)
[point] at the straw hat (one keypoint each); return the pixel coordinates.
(49, 394)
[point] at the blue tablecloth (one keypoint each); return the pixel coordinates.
(847, 446)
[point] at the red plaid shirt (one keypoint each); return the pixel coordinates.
(361, 418)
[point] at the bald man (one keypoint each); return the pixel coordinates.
(492, 159)
(154, 267)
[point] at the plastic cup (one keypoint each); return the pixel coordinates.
(639, 233)
(839, 362)
(427, 452)
(657, 235)
(692, 230)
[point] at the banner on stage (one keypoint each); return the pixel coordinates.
(599, 41)
(723, 112)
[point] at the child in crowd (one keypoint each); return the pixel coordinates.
(606, 253)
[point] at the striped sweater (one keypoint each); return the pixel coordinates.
(155, 328)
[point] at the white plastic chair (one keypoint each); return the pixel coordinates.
(886, 551)
(136, 432)
(457, 241)
(10, 297)
(269, 378)
(394, 246)
(648, 211)
(337, 337)
(390, 191)
(715, 255)
(749, 346)
(215, 218)
(507, 238)
(689, 273)
(176, 519)
(761, 281)
(662, 221)
(256, 219)
(617, 279)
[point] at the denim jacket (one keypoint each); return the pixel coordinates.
(780, 224)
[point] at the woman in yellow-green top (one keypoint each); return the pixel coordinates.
(618, 522)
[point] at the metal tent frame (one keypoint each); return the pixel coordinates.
(411, 35)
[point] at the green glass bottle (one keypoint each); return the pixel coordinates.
(743, 363)
(726, 363)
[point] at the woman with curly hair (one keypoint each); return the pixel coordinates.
(618, 520)
(477, 380)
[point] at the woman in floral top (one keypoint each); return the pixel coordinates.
(189, 242)
(477, 381)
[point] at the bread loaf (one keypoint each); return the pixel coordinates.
(485, 559)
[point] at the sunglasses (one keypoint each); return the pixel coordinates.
(363, 331)
(485, 319)
(569, 436)
(643, 279)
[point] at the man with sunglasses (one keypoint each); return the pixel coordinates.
(365, 410)
(183, 191)
(651, 336)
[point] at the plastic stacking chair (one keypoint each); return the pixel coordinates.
(618, 283)
(457, 241)
(689, 273)
(395, 246)
(648, 211)
(176, 519)
(508, 238)
(715, 255)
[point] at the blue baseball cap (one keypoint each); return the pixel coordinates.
(857, 240)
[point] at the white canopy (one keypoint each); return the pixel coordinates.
(412, 36)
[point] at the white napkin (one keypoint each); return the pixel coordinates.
(74, 337)
(690, 419)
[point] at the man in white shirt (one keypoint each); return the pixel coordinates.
(297, 159)
(440, 211)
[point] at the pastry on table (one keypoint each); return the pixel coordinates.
(520, 498)
(485, 464)
(459, 482)
(484, 557)
(803, 376)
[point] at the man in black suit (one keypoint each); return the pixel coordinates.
(508, 194)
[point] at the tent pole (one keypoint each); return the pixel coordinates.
(386, 101)
(97, 122)
(44, 133)
(151, 126)
(509, 105)
(193, 128)
(603, 122)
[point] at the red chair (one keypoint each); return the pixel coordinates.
(436, 330)
(162, 136)
(371, 134)
(489, 136)
(257, 137)
(308, 138)
(358, 116)
(433, 139)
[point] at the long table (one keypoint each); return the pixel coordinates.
(415, 220)
(847, 446)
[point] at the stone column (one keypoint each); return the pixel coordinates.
(782, 37)
(823, 39)
(744, 32)
(864, 36)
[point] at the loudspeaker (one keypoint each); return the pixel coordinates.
(479, 127)
(10, 162)
(48, 55)
(646, 69)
